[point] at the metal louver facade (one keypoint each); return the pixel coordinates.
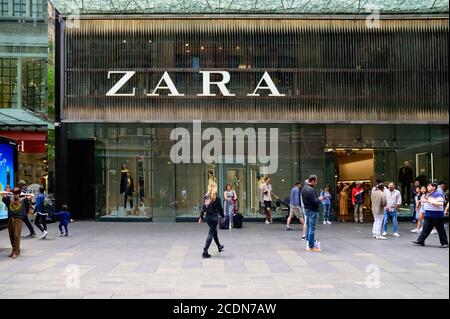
(330, 70)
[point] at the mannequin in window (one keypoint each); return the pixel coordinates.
(129, 191)
(123, 179)
(405, 178)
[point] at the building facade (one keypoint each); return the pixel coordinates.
(23, 84)
(334, 96)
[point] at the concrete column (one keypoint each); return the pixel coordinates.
(19, 82)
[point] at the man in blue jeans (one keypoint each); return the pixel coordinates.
(394, 200)
(311, 203)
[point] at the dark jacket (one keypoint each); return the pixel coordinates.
(64, 217)
(405, 175)
(123, 181)
(213, 209)
(310, 199)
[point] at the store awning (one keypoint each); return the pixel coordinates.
(28, 142)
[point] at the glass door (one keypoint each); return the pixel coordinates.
(425, 165)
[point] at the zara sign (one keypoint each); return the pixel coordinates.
(166, 83)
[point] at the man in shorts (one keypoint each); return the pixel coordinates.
(295, 209)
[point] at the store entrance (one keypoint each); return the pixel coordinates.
(351, 167)
(81, 178)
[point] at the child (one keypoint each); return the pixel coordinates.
(65, 219)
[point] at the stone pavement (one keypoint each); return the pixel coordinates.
(163, 260)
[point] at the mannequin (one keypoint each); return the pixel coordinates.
(123, 179)
(405, 178)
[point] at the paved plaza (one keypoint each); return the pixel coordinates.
(163, 260)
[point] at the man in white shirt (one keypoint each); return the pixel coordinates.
(394, 200)
(267, 199)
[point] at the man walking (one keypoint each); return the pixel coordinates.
(434, 216)
(26, 220)
(311, 203)
(295, 209)
(378, 199)
(41, 215)
(394, 200)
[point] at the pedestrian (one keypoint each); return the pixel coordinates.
(40, 219)
(295, 208)
(420, 209)
(326, 204)
(17, 209)
(311, 203)
(64, 220)
(212, 208)
(358, 202)
(229, 198)
(434, 216)
(22, 185)
(415, 192)
(394, 200)
(343, 202)
(267, 199)
(378, 199)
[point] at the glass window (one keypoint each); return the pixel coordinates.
(4, 8)
(8, 83)
(19, 8)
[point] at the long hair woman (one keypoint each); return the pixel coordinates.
(230, 197)
(212, 208)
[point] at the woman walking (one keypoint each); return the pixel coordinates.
(212, 207)
(420, 209)
(230, 197)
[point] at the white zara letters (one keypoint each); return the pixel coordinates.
(206, 85)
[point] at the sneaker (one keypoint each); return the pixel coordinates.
(328, 222)
(206, 255)
(61, 234)
(303, 237)
(415, 230)
(418, 243)
(267, 222)
(381, 237)
(66, 235)
(384, 233)
(29, 236)
(420, 230)
(396, 235)
(288, 228)
(434, 231)
(44, 234)
(13, 256)
(324, 222)
(221, 248)
(444, 246)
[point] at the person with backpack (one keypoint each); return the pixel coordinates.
(358, 202)
(212, 208)
(41, 215)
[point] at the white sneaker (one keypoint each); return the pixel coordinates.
(381, 237)
(434, 231)
(384, 233)
(328, 222)
(44, 234)
(374, 236)
(324, 222)
(396, 235)
(415, 230)
(267, 222)
(420, 230)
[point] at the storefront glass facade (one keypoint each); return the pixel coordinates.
(165, 191)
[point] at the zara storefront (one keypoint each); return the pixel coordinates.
(180, 99)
